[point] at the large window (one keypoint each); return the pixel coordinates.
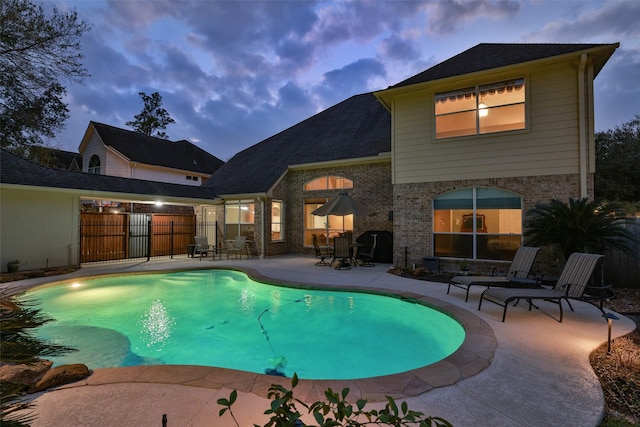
(477, 223)
(495, 107)
(277, 220)
(239, 219)
(326, 227)
(94, 165)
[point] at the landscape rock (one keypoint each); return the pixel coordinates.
(61, 375)
(24, 374)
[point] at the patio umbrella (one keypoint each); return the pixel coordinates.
(342, 205)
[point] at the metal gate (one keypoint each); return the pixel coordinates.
(138, 235)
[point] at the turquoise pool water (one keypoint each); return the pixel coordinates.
(224, 318)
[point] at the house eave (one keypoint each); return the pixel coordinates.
(380, 158)
(241, 196)
(111, 195)
(604, 52)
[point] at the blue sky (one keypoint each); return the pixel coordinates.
(232, 73)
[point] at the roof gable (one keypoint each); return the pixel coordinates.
(150, 150)
(487, 56)
(356, 127)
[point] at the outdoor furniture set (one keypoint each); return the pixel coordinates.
(236, 246)
(345, 252)
(521, 284)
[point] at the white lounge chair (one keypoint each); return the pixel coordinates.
(520, 269)
(572, 284)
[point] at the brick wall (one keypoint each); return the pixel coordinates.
(371, 186)
(412, 225)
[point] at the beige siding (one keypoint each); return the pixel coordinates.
(152, 173)
(94, 146)
(549, 145)
(39, 228)
(116, 166)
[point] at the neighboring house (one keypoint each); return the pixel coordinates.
(108, 150)
(58, 159)
(450, 165)
(40, 208)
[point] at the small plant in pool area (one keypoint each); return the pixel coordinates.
(334, 411)
(18, 345)
(580, 225)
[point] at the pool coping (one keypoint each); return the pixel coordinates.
(473, 356)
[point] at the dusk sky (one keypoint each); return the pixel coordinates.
(232, 73)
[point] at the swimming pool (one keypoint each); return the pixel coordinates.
(223, 318)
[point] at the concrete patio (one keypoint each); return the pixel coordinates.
(528, 371)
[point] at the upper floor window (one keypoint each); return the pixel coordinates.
(328, 183)
(495, 107)
(192, 178)
(94, 165)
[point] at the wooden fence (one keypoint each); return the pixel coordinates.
(621, 269)
(110, 237)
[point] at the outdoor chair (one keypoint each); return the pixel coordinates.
(519, 271)
(202, 247)
(367, 258)
(237, 246)
(342, 252)
(322, 252)
(572, 284)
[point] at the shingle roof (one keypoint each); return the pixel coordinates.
(486, 56)
(16, 170)
(59, 159)
(150, 150)
(357, 127)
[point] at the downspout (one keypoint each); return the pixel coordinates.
(582, 123)
(263, 249)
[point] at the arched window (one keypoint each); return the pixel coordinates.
(328, 183)
(477, 223)
(94, 165)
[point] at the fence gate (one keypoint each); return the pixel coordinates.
(138, 235)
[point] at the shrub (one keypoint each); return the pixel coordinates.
(334, 411)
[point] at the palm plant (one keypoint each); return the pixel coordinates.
(580, 225)
(18, 345)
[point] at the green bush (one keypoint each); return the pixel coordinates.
(334, 411)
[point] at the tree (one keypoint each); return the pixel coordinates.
(38, 53)
(578, 226)
(153, 117)
(618, 162)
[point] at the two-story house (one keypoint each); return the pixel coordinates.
(449, 160)
(108, 150)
